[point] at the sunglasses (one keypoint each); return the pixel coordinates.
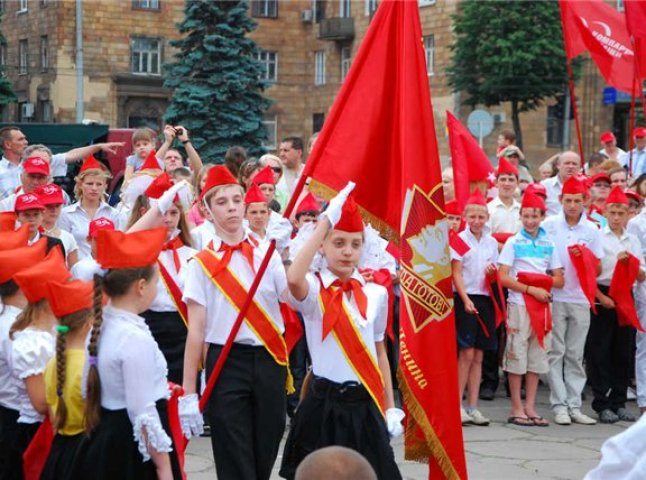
(602, 185)
(277, 169)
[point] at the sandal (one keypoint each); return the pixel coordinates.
(521, 421)
(539, 421)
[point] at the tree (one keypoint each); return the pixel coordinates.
(508, 51)
(217, 79)
(7, 94)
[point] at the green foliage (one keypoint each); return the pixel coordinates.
(217, 80)
(7, 94)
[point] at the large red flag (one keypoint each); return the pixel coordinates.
(595, 26)
(635, 14)
(380, 134)
(470, 163)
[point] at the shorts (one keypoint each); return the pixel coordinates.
(470, 332)
(523, 353)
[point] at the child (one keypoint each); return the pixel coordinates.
(308, 211)
(51, 197)
(504, 209)
(29, 211)
(349, 400)
(85, 268)
(71, 304)
(453, 215)
(529, 268)
(143, 142)
(474, 309)
(611, 340)
(256, 211)
(265, 180)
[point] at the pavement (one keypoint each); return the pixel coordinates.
(499, 451)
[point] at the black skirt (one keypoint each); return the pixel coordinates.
(62, 457)
(346, 416)
(112, 453)
(169, 331)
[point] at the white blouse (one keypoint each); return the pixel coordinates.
(31, 350)
(133, 375)
(163, 302)
(8, 383)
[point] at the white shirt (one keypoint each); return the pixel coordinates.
(328, 360)
(163, 302)
(77, 222)
(504, 219)
(220, 314)
(554, 188)
(31, 350)
(202, 235)
(639, 161)
(482, 253)
(620, 152)
(85, 269)
(9, 397)
(133, 375)
(69, 242)
(563, 235)
(526, 254)
(637, 227)
(375, 255)
(612, 245)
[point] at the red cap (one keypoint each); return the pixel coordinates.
(11, 239)
(98, 224)
(308, 204)
(116, 249)
(254, 195)
(632, 195)
(600, 177)
(477, 198)
(218, 176)
(50, 194)
(151, 162)
(573, 186)
(28, 201)
(33, 280)
(7, 223)
(607, 137)
(453, 208)
(505, 167)
(266, 175)
(158, 186)
(617, 196)
(36, 165)
(91, 163)
(350, 220)
(531, 200)
(17, 259)
(639, 132)
(537, 189)
(71, 297)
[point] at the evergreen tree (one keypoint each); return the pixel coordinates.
(217, 79)
(508, 51)
(7, 94)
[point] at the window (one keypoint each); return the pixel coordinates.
(317, 122)
(319, 68)
(146, 55)
(371, 6)
(22, 6)
(346, 60)
(145, 4)
(23, 57)
(318, 9)
(344, 11)
(554, 126)
(270, 62)
(426, 3)
(429, 52)
(43, 3)
(264, 8)
(44, 53)
(271, 124)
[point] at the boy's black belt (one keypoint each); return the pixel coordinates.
(346, 391)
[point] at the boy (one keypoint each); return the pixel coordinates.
(308, 211)
(571, 307)
(143, 142)
(503, 210)
(610, 340)
(474, 310)
(529, 267)
(29, 211)
(453, 215)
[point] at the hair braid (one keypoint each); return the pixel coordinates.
(93, 398)
(60, 416)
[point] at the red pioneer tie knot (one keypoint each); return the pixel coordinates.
(334, 311)
(173, 245)
(243, 247)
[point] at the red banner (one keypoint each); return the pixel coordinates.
(380, 134)
(635, 14)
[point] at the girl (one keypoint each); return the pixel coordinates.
(256, 212)
(349, 401)
(71, 304)
(91, 184)
(51, 197)
(126, 414)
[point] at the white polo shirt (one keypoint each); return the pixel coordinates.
(504, 219)
(563, 235)
(554, 188)
(482, 253)
(612, 245)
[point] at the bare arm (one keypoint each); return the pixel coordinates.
(80, 153)
(194, 345)
(161, 461)
(35, 385)
(127, 174)
(151, 219)
(384, 368)
(558, 279)
(194, 159)
(169, 136)
(538, 293)
(297, 271)
(458, 281)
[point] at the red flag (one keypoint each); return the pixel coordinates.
(380, 134)
(621, 291)
(470, 163)
(595, 26)
(457, 244)
(635, 14)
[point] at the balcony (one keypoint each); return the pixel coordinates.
(337, 29)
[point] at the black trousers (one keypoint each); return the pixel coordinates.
(608, 352)
(246, 412)
(299, 360)
(490, 364)
(10, 453)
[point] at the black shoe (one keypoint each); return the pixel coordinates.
(486, 394)
(207, 431)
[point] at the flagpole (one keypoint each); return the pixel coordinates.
(632, 127)
(574, 108)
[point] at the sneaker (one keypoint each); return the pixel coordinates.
(581, 418)
(562, 418)
(608, 416)
(486, 394)
(478, 418)
(631, 394)
(625, 416)
(466, 418)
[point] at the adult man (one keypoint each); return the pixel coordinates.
(514, 155)
(568, 164)
(171, 157)
(291, 154)
(35, 172)
(610, 149)
(571, 308)
(638, 154)
(14, 143)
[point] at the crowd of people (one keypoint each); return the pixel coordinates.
(114, 317)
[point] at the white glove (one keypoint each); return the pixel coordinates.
(281, 232)
(168, 197)
(190, 416)
(394, 417)
(333, 210)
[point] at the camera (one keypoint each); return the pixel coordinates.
(179, 131)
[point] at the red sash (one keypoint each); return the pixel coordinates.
(494, 287)
(293, 326)
(621, 291)
(34, 458)
(540, 314)
(458, 245)
(340, 323)
(174, 292)
(585, 266)
(384, 278)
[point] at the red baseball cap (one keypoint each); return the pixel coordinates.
(639, 132)
(600, 177)
(99, 224)
(36, 165)
(607, 137)
(536, 189)
(50, 194)
(28, 201)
